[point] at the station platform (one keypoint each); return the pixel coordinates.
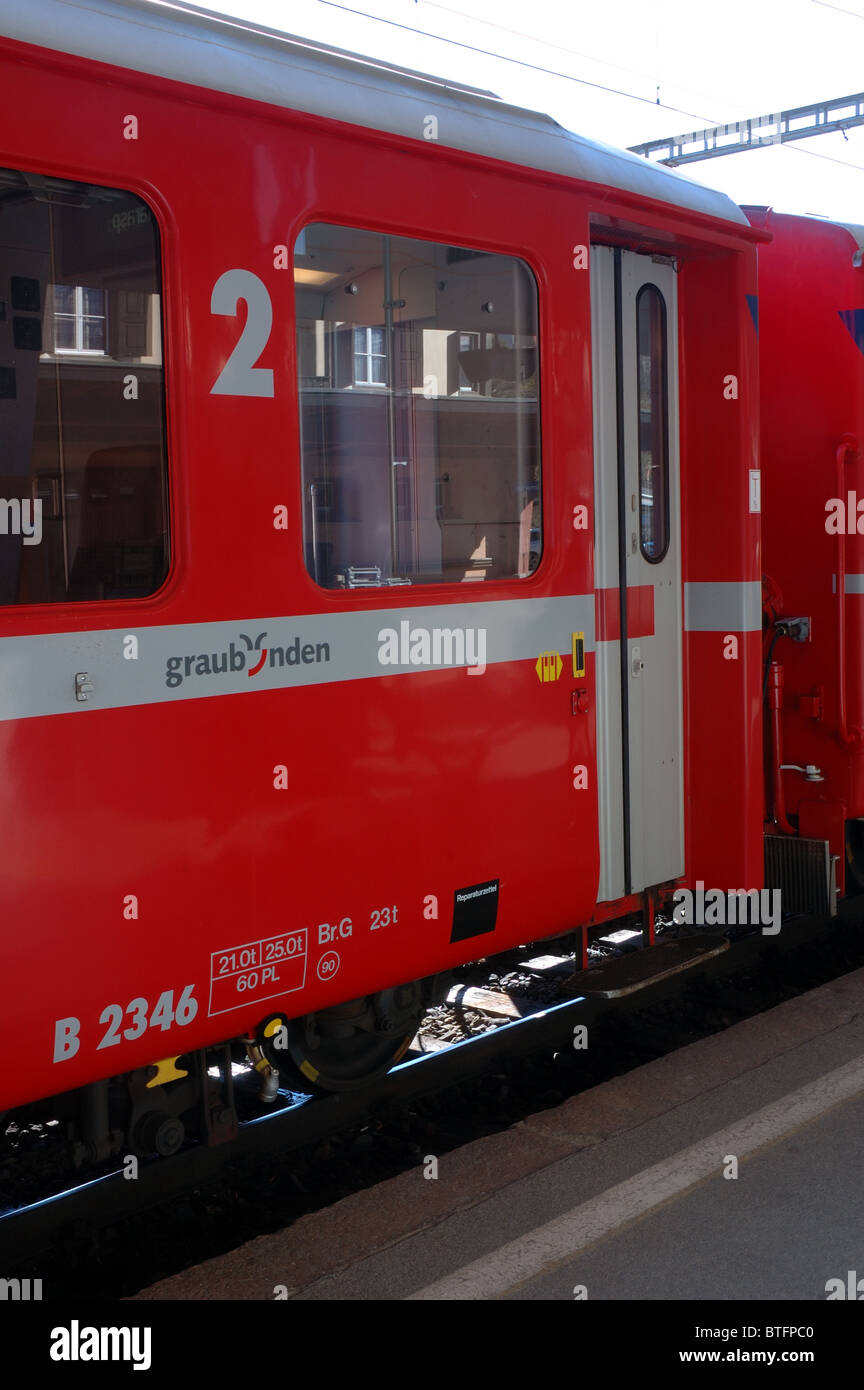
(729, 1169)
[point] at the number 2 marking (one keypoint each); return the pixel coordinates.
(240, 376)
(112, 1015)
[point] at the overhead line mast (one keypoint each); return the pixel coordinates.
(755, 132)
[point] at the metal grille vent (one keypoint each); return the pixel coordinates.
(803, 870)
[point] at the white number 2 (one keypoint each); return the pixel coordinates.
(240, 376)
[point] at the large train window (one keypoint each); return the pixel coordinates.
(419, 410)
(83, 504)
(653, 423)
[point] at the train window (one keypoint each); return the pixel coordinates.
(419, 410)
(653, 423)
(83, 497)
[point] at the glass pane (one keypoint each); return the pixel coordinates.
(94, 335)
(82, 469)
(653, 423)
(463, 503)
(64, 331)
(92, 302)
(64, 299)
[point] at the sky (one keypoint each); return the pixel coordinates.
(599, 69)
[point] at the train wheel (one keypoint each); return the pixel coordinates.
(346, 1047)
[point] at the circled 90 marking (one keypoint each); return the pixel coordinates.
(328, 965)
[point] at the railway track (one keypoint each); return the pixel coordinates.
(493, 1024)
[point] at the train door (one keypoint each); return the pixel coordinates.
(637, 571)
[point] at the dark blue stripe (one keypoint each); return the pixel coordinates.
(854, 321)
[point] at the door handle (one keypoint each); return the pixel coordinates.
(637, 665)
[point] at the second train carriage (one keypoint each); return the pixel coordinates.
(811, 331)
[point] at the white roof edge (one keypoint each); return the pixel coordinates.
(855, 229)
(216, 52)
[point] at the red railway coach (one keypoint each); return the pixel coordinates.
(380, 574)
(811, 327)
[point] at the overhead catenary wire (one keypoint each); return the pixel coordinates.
(504, 58)
(560, 48)
(853, 14)
(552, 72)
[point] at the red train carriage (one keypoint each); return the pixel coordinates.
(396, 598)
(811, 328)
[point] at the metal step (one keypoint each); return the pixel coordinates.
(627, 974)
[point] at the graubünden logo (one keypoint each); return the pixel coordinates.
(249, 655)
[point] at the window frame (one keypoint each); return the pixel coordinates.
(336, 594)
(368, 356)
(165, 253)
(78, 317)
(655, 290)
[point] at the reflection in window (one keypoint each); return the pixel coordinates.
(419, 410)
(370, 359)
(653, 423)
(81, 394)
(468, 342)
(79, 318)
